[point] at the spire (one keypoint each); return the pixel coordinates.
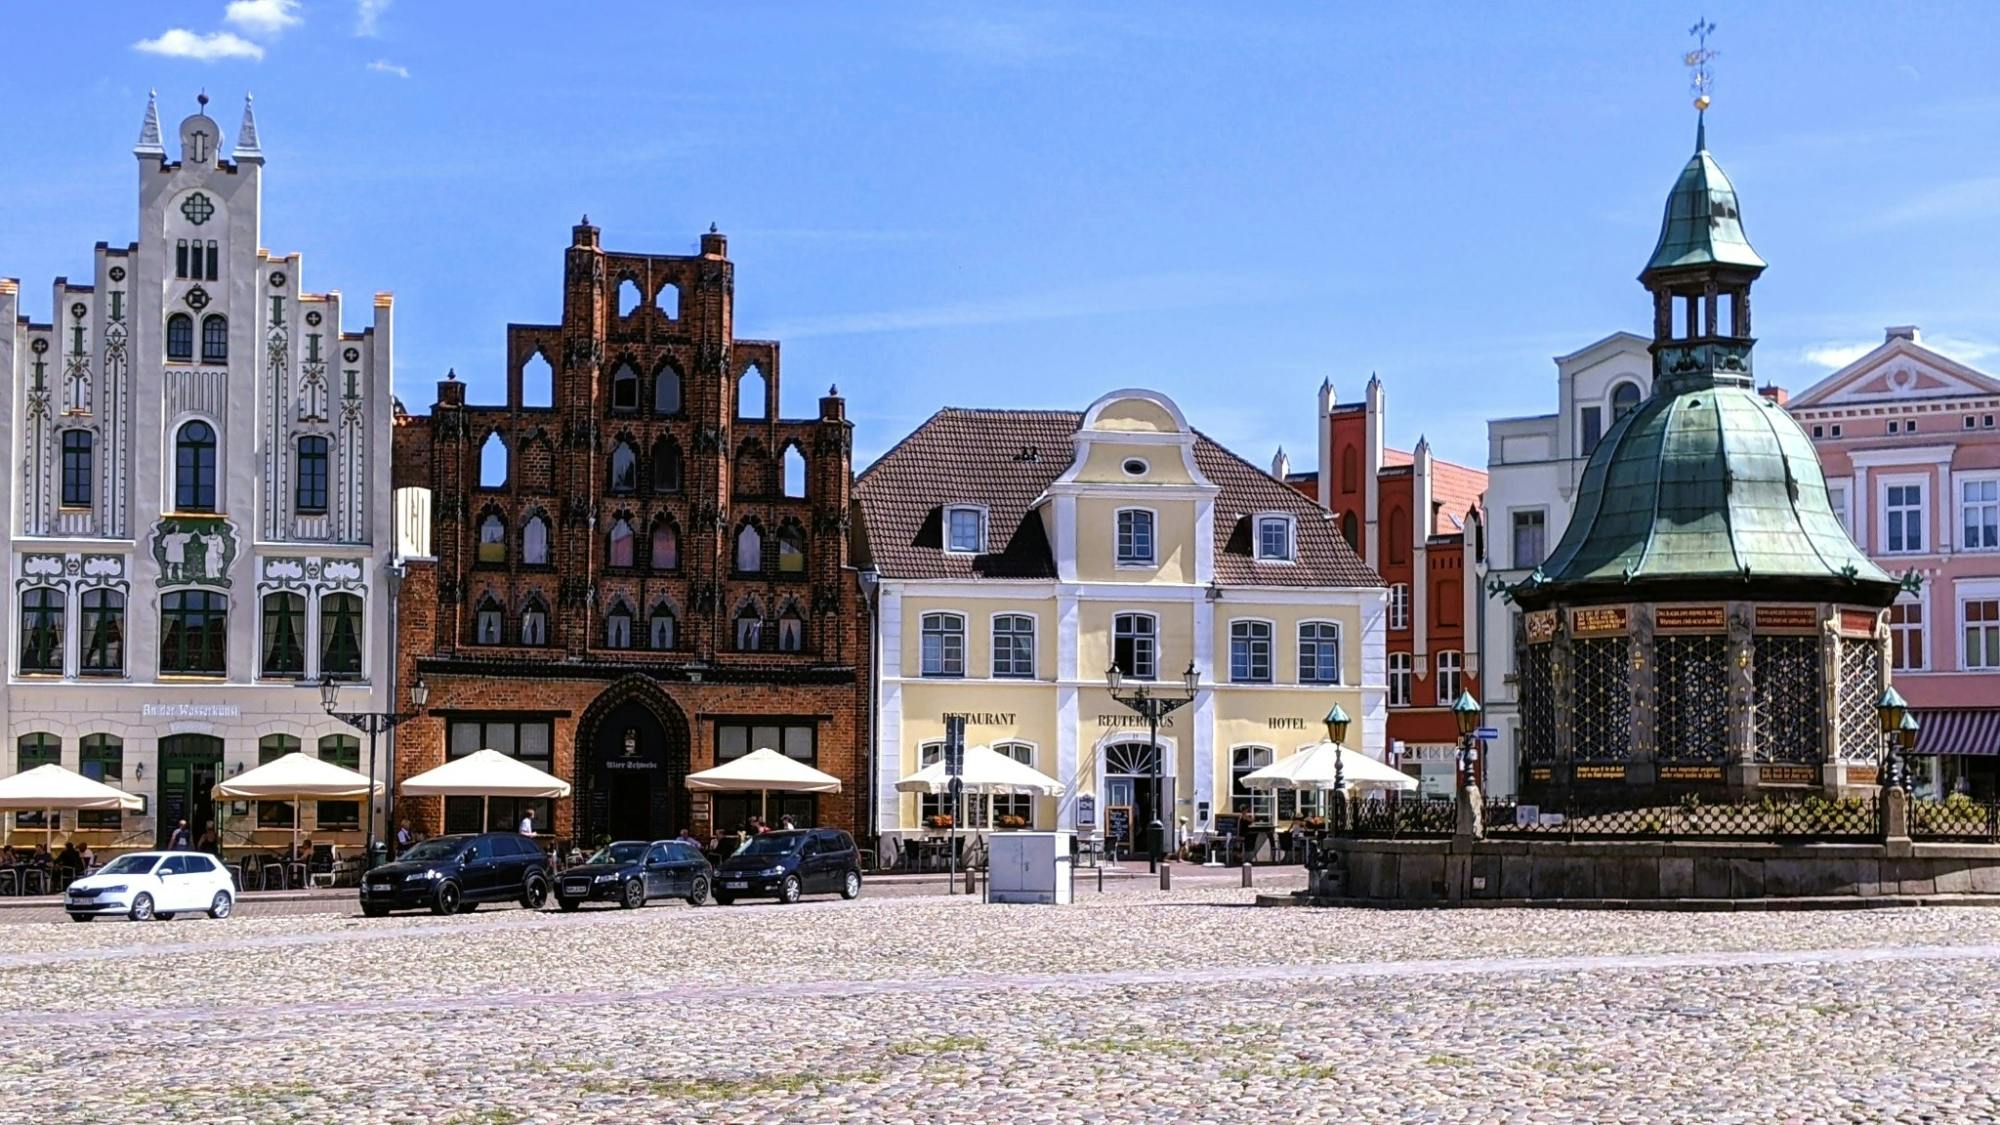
(1281, 465)
(149, 129)
(247, 148)
(1701, 131)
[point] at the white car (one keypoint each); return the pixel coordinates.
(142, 885)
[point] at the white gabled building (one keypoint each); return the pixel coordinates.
(198, 517)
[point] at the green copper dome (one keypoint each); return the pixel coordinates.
(1702, 226)
(1701, 495)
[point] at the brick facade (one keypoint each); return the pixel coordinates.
(702, 490)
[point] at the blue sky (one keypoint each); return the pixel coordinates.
(1027, 205)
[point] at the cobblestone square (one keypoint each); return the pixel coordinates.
(1132, 1005)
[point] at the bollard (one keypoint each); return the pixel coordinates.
(1100, 878)
(1246, 874)
(1166, 878)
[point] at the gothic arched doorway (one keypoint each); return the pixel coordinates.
(632, 750)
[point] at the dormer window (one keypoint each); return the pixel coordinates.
(1135, 537)
(965, 530)
(1274, 539)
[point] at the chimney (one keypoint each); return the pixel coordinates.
(714, 244)
(1775, 393)
(1903, 332)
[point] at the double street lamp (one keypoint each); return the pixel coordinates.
(374, 723)
(1899, 732)
(1153, 706)
(1336, 733)
(1465, 709)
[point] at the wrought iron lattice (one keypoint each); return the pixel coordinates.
(1860, 739)
(1809, 817)
(1538, 704)
(1789, 716)
(1397, 817)
(1603, 704)
(1955, 818)
(1692, 678)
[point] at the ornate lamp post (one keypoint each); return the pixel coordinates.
(1906, 740)
(1465, 709)
(1891, 710)
(1336, 732)
(374, 723)
(1153, 708)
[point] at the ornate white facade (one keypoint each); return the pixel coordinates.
(198, 519)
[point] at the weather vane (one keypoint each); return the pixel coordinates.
(1699, 77)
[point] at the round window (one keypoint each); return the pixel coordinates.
(1135, 467)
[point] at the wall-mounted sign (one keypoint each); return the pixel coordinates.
(1086, 811)
(1690, 773)
(1788, 775)
(1598, 621)
(190, 711)
(1600, 773)
(1771, 618)
(1285, 722)
(1862, 775)
(1539, 626)
(1858, 622)
(1689, 618)
(1112, 722)
(1541, 773)
(979, 718)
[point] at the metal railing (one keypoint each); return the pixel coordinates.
(1955, 818)
(1855, 819)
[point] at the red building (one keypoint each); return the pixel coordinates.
(1417, 521)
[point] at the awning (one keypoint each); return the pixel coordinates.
(1958, 730)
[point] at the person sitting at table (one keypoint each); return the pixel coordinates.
(42, 858)
(8, 857)
(69, 858)
(302, 849)
(87, 857)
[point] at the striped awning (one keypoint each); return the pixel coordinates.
(1958, 730)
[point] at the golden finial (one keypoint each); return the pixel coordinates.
(1697, 60)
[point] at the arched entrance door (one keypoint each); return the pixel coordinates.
(634, 747)
(187, 771)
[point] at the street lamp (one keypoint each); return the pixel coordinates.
(1906, 741)
(374, 723)
(1891, 711)
(1153, 708)
(1465, 709)
(1336, 733)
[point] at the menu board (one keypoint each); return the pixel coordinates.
(1597, 621)
(1118, 824)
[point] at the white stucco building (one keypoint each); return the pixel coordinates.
(1533, 466)
(197, 518)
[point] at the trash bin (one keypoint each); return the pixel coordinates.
(378, 853)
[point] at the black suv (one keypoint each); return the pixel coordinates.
(454, 874)
(628, 872)
(786, 865)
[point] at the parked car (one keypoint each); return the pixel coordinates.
(142, 885)
(790, 864)
(631, 872)
(454, 874)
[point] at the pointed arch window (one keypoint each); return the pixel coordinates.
(751, 394)
(486, 621)
(666, 465)
(618, 544)
(749, 628)
(794, 471)
(340, 636)
(791, 549)
(534, 622)
(624, 469)
(284, 636)
(665, 551)
(624, 388)
(180, 338)
(618, 625)
(535, 541)
(538, 382)
(103, 633)
(493, 539)
(662, 629)
(215, 338)
(749, 549)
(194, 468)
(791, 630)
(667, 389)
(493, 461)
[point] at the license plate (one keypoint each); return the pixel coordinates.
(736, 886)
(576, 888)
(380, 888)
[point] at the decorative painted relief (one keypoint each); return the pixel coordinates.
(278, 468)
(76, 365)
(194, 551)
(111, 462)
(36, 452)
(353, 503)
(74, 572)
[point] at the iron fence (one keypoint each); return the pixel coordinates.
(1955, 818)
(1798, 819)
(1396, 818)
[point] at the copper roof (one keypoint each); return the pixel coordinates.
(1003, 460)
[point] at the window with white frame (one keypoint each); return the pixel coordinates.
(1903, 518)
(1014, 646)
(1319, 652)
(1250, 652)
(1135, 645)
(1982, 633)
(1906, 636)
(1531, 536)
(1450, 676)
(1836, 498)
(1243, 800)
(1399, 606)
(1135, 537)
(1274, 539)
(1979, 514)
(943, 644)
(965, 530)
(1399, 679)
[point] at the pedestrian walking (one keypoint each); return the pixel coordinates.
(181, 840)
(404, 837)
(528, 823)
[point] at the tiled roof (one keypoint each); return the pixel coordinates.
(1455, 490)
(1005, 459)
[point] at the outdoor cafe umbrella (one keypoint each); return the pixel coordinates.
(51, 787)
(297, 777)
(765, 771)
(986, 771)
(486, 774)
(1313, 768)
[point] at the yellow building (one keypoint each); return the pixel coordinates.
(1017, 555)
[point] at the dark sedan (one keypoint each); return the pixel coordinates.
(630, 872)
(786, 865)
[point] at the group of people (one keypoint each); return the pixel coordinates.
(71, 857)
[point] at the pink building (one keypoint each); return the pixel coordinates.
(1911, 444)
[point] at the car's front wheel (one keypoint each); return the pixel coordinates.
(850, 887)
(445, 900)
(724, 898)
(142, 908)
(698, 892)
(568, 904)
(791, 890)
(635, 895)
(536, 894)
(375, 911)
(80, 917)
(220, 906)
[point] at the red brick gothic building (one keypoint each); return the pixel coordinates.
(634, 568)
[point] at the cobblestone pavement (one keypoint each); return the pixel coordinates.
(1132, 1005)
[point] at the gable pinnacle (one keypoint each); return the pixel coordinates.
(149, 129)
(247, 147)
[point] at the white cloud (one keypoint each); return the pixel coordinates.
(180, 43)
(1144, 293)
(384, 66)
(1961, 199)
(1965, 349)
(264, 18)
(1836, 356)
(366, 14)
